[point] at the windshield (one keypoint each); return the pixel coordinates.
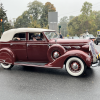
(91, 36)
(75, 37)
(51, 35)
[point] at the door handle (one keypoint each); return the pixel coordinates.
(11, 44)
(27, 45)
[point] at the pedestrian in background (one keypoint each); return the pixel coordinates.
(60, 35)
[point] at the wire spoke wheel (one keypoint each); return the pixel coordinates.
(75, 66)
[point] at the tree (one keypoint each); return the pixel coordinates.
(71, 17)
(35, 16)
(4, 25)
(86, 12)
(48, 7)
(30, 18)
(23, 20)
(97, 19)
(83, 22)
(35, 9)
(86, 9)
(18, 22)
(96, 25)
(34, 23)
(63, 23)
(74, 26)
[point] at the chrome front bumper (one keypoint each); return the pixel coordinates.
(96, 64)
(96, 61)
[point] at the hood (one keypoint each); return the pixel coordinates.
(70, 41)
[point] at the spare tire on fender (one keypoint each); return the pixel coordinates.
(55, 51)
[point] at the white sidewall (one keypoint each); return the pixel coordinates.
(73, 73)
(5, 66)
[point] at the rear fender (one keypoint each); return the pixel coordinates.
(59, 62)
(7, 56)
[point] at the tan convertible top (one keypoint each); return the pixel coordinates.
(8, 35)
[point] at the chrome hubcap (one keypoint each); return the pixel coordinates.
(75, 66)
(56, 54)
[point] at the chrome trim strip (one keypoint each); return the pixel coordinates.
(17, 43)
(73, 44)
(77, 47)
(5, 43)
(51, 44)
(36, 65)
(59, 44)
(14, 43)
(37, 44)
(68, 47)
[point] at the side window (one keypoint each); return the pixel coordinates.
(31, 36)
(19, 36)
(36, 37)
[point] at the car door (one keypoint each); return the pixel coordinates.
(19, 47)
(37, 50)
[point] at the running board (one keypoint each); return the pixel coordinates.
(45, 65)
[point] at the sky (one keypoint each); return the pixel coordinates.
(15, 8)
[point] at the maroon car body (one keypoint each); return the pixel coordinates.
(49, 51)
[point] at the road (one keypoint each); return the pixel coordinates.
(27, 83)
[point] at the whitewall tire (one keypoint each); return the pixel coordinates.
(6, 66)
(75, 66)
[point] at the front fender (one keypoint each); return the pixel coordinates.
(7, 56)
(72, 53)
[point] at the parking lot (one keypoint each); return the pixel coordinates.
(27, 83)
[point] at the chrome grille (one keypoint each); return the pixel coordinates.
(92, 48)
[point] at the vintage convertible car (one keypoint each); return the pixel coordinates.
(17, 47)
